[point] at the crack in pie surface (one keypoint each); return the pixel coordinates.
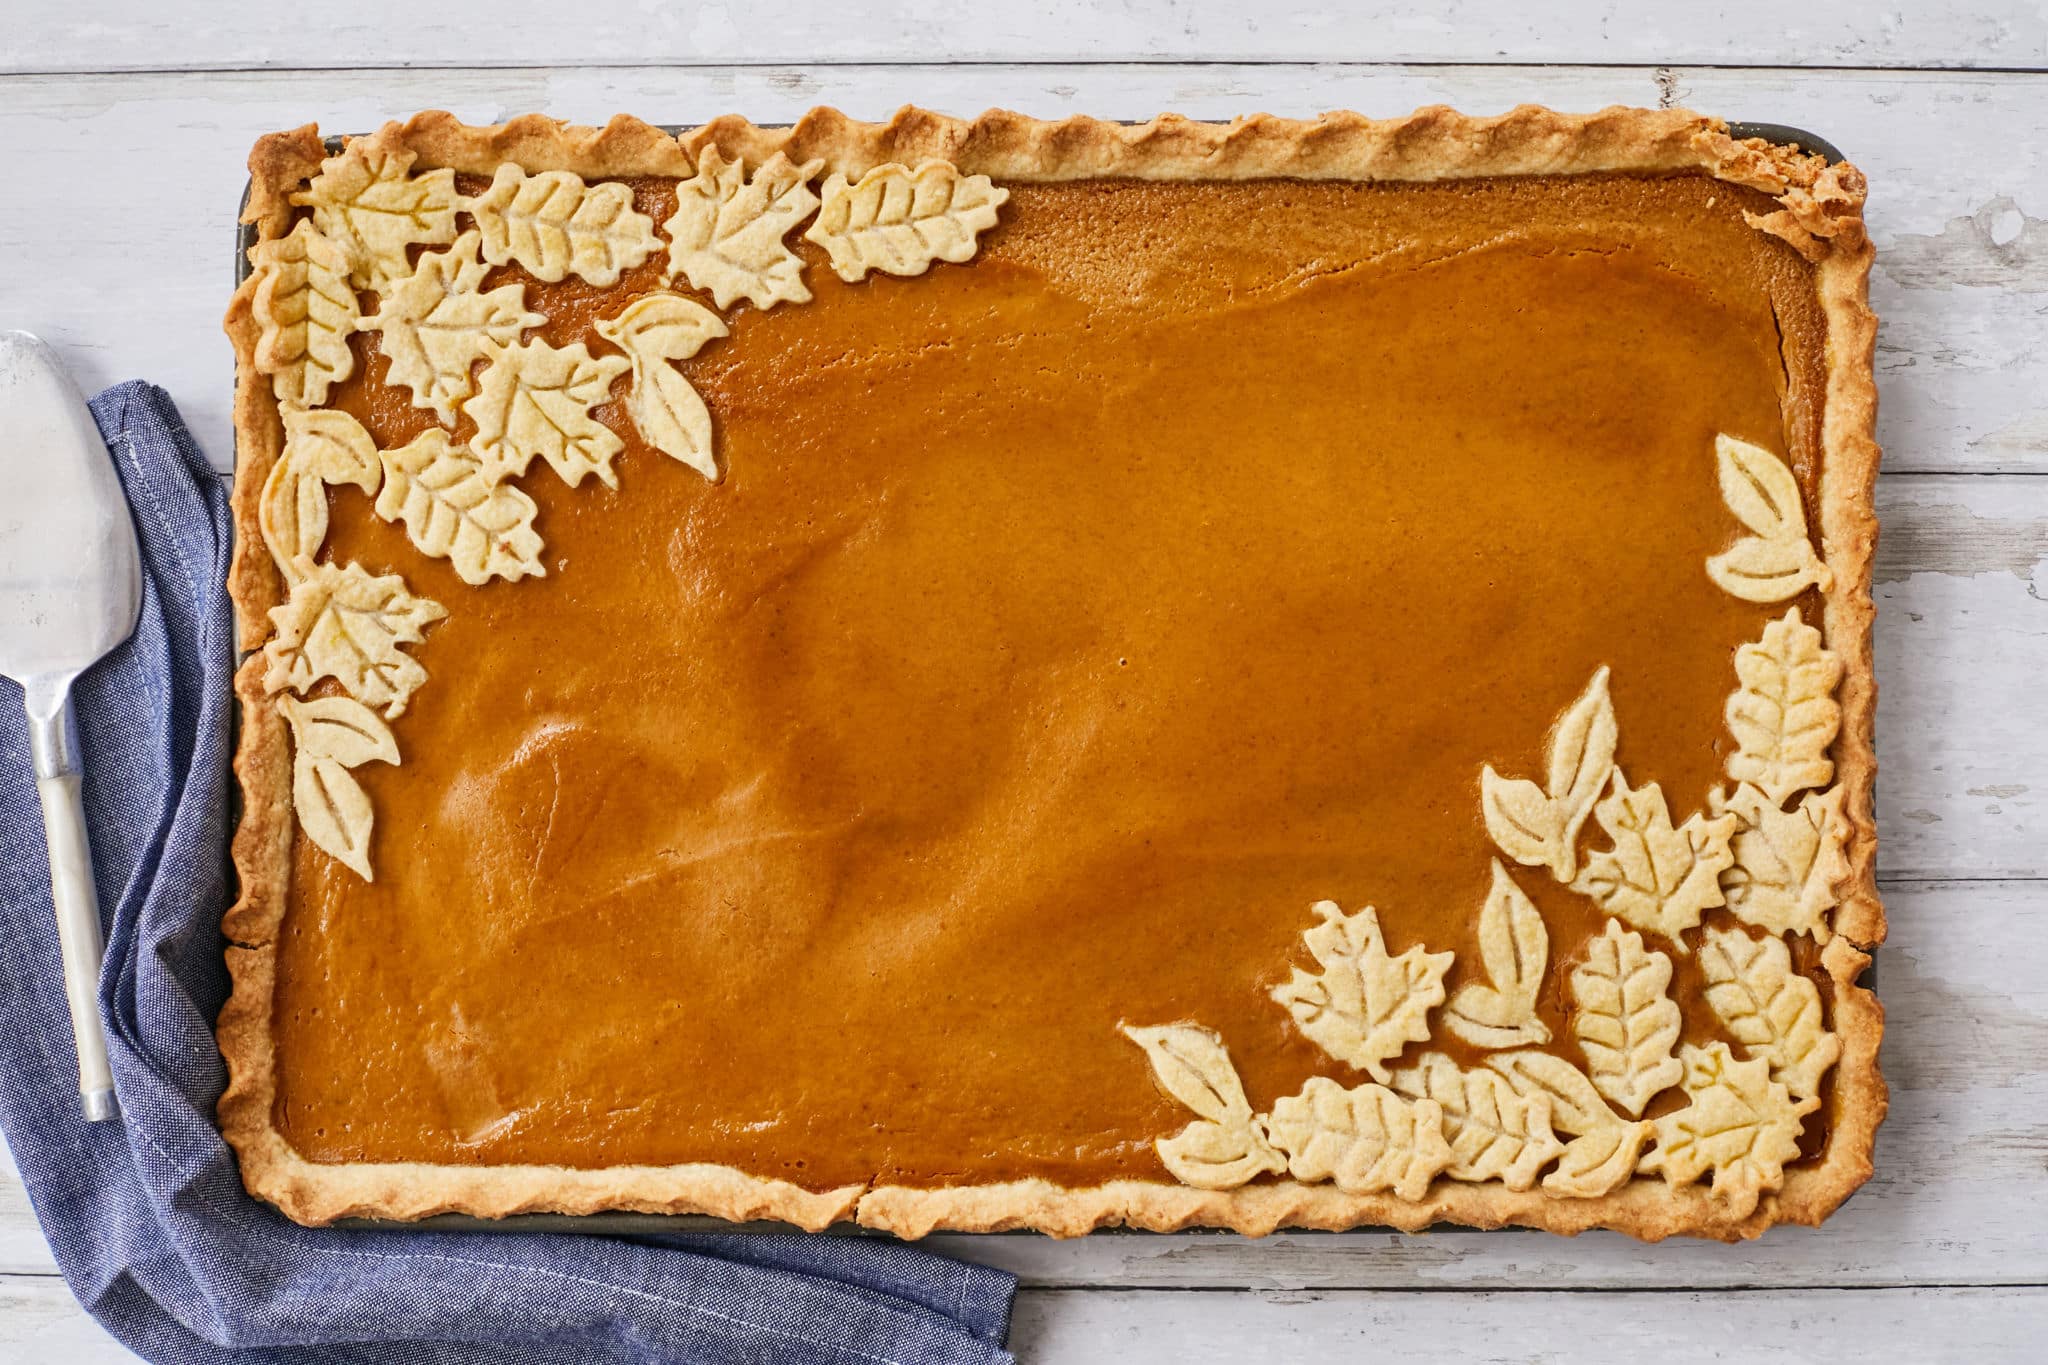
(868, 670)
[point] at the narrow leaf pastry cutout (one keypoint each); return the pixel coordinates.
(367, 203)
(452, 512)
(1225, 1147)
(1539, 826)
(434, 323)
(321, 447)
(1626, 1024)
(1741, 1125)
(669, 414)
(1495, 1133)
(330, 736)
(899, 221)
(1365, 1006)
(1784, 715)
(1366, 1140)
(1603, 1155)
(305, 310)
(725, 236)
(1773, 1011)
(535, 400)
(348, 625)
(1788, 864)
(1776, 560)
(1514, 945)
(553, 224)
(1656, 876)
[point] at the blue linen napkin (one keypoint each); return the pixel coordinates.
(147, 1214)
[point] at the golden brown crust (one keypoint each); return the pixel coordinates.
(1820, 214)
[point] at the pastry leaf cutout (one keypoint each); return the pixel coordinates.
(899, 221)
(1626, 1024)
(434, 323)
(368, 204)
(1366, 1140)
(451, 511)
(1539, 826)
(331, 735)
(1656, 876)
(552, 223)
(321, 447)
(1603, 1155)
(535, 400)
(1365, 1006)
(1515, 946)
(1773, 1011)
(349, 625)
(726, 234)
(1224, 1147)
(305, 309)
(1775, 560)
(1494, 1131)
(1741, 1125)
(669, 413)
(1784, 715)
(1788, 864)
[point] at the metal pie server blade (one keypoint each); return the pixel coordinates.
(70, 589)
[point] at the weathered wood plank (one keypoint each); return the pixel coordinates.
(1962, 265)
(40, 1322)
(1195, 1329)
(1956, 1199)
(53, 35)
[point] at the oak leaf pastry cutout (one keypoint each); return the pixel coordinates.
(899, 221)
(552, 223)
(451, 511)
(1656, 876)
(434, 323)
(368, 204)
(1784, 715)
(331, 735)
(725, 236)
(305, 309)
(669, 412)
(1773, 1011)
(1365, 1006)
(1366, 1140)
(1539, 826)
(321, 447)
(1625, 1022)
(535, 400)
(1495, 1132)
(1788, 864)
(1514, 945)
(347, 624)
(1602, 1155)
(1775, 560)
(1741, 1125)
(1225, 1146)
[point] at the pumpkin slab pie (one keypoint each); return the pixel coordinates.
(1008, 674)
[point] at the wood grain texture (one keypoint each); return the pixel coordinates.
(1959, 209)
(64, 35)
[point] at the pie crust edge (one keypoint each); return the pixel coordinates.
(1820, 214)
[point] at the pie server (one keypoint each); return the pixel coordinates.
(70, 588)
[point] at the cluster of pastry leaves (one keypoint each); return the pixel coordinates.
(435, 322)
(1776, 870)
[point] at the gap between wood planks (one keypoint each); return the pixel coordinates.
(1658, 70)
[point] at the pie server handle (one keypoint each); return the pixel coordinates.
(54, 746)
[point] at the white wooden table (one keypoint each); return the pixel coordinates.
(123, 125)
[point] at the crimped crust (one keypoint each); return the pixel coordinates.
(1820, 214)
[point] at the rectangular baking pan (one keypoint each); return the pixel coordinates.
(643, 1224)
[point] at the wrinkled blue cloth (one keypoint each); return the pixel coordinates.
(147, 1214)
